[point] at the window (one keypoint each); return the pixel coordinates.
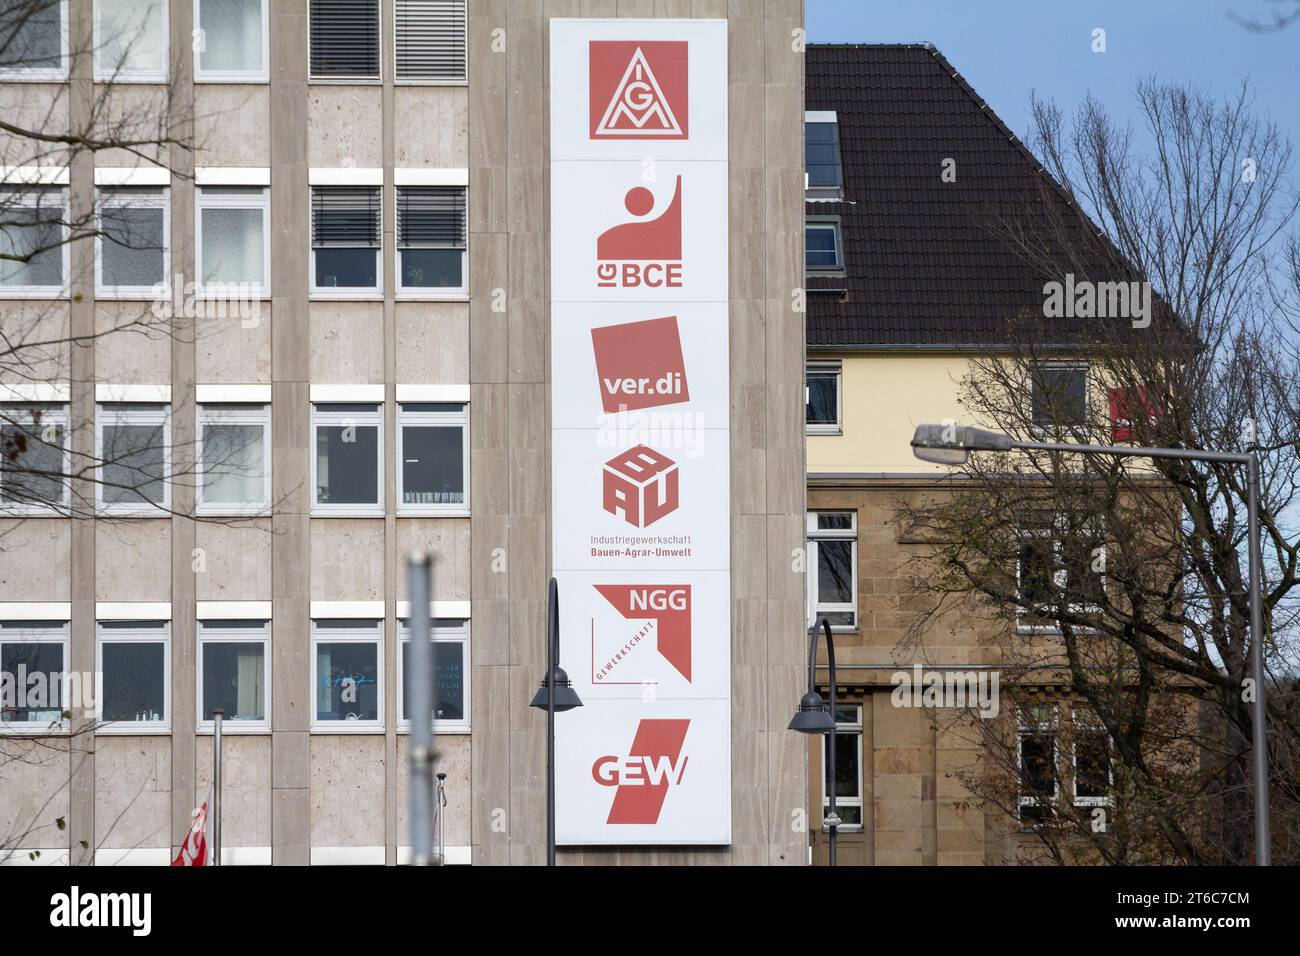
(348, 467)
(1093, 774)
(134, 455)
(346, 238)
(430, 40)
(1059, 396)
(33, 39)
(135, 664)
(1036, 741)
(433, 472)
(1060, 563)
(33, 244)
(347, 674)
(822, 245)
(131, 40)
(822, 409)
(848, 767)
(33, 658)
(131, 253)
(234, 674)
(833, 568)
(232, 41)
(33, 457)
(450, 665)
(821, 155)
(233, 248)
(234, 456)
(345, 39)
(431, 230)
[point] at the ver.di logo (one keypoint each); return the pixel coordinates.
(638, 89)
(639, 365)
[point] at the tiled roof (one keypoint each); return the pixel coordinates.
(927, 263)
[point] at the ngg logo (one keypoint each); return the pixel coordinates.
(667, 606)
(643, 777)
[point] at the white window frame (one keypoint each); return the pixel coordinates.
(439, 419)
(439, 633)
(426, 81)
(45, 74)
(814, 535)
(1060, 577)
(358, 292)
(53, 413)
(350, 80)
(108, 198)
(372, 634)
(1078, 427)
(1088, 723)
(423, 292)
(842, 728)
(1025, 728)
(826, 428)
(815, 222)
(262, 75)
(233, 413)
(243, 635)
(59, 291)
(361, 419)
(133, 76)
(206, 200)
(39, 632)
(147, 414)
(147, 632)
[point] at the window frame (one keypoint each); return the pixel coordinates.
(352, 292)
(146, 632)
(373, 418)
(133, 76)
(1080, 427)
(432, 419)
(844, 728)
(245, 200)
(372, 632)
(143, 414)
(1089, 724)
(825, 428)
(821, 192)
(150, 198)
(62, 290)
(428, 81)
(352, 79)
(262, 75)
(833, 224)
(1055, 532)
(59, 412)
(232, 413)
(40, 632)
(814, 535)
(440, 631)
(234, 635)
(419, 293)
(1024, 729)
(44, 74)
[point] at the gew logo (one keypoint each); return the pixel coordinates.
(643, 777)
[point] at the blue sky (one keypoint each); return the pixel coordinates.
(1008, 48)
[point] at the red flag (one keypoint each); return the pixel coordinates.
(194, 849)
(1127, 406)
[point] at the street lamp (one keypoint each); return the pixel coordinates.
(951, 444)
(812, 717)
(555, 695)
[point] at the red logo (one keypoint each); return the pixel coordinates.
(668, 609)
(645, 252)
(639, 365)
(637, 89)
(644, 775)
(641, 485)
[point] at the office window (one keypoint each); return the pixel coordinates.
(348, 467)
(132, 251)
(1059, 396)
(33, 242)
(231, 40)
(450, 666)
(1060, 562)
(347, 674)
(821, 152)
(234, 458)
(131, 40)
(33, 457)
(822, 245)
(234, 674)
(345, 39)
(1036, 740)
(848, 767)
(135, 664)
(346, 238)
(33, 39)
(433, 472)
(133, 444)
(1093, 774)
(430, 40)
(431, 239)
(822, 407)
(233, 248)
(35, 653)
(833, 567)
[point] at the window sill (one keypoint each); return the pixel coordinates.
(259, 511)
(33, 511)
(417, 81)
(369, 295)
(405, 730)
(342, 728)
(34, 76)
(142, 79)
(40, 730)
(133, 295)
(109, 513)
(416, 512)
(33, 292)
(316, 512)
(231, 727)
(345, 81)
(228, 79)
(823, 431)
(152, 730)
(457, 296)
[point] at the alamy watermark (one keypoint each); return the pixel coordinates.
(948, 688)
(1098, 300)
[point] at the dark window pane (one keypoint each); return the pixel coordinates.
(823, 403)
(834, 572)
(31, 242)
(36, 666)
(346, 464)
(846, 765)
(449, 680)
(233, 679)
(433, 464)
(834, 521)
(1092, 764)
(1037, 773)
(1059, 395)
(346, 269)
(31, 460)
(131, 249)
(432, 268)
(347, 676)
(821, 247)
(345, 38)
(30, 35)
(133, 464)
(822, 154)
(1037, 572)
(134, 681)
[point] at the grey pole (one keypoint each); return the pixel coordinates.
(832, 817)
(1259, 738)
(217, 714)
(552, 653)
(421, 707)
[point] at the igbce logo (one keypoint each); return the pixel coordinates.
(667, 606)
(639, 365)
(646, 252)
(642, 778)
(638, 89)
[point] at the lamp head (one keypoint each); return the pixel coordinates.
(951, 444)
(566, 698)
(812, 716)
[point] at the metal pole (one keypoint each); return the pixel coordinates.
(1259, 737)
(833, 818)
(217, 714)
(421, 707)
(552, 654)
(440, 807)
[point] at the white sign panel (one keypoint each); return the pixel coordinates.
(640, 442)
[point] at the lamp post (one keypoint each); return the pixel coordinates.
(420, 588)
(952, 444)
(554, 696)
(813, 718)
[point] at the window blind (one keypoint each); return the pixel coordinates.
(345, 216)
(431, 216)
(430, 42)
(345, 38)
